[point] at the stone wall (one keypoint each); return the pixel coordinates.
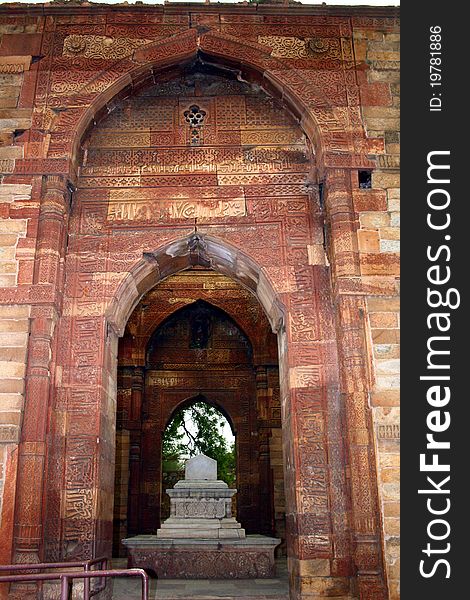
(15, 250)
(336, 70)
(379, 246)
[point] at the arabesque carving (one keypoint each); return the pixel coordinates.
(101, 46)
(294, 47)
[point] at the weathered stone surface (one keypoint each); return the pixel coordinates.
(78, 114)
(14, 64)
(201, 506)
(375, 219)
(368, 240)
(250, 558)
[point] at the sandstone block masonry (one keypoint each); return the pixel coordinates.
(379, 248)
(15, 202)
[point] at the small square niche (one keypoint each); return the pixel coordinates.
(365, 179)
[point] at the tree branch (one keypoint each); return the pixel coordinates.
(189, 434)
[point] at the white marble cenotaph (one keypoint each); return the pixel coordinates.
(201, 539)
(201, 505)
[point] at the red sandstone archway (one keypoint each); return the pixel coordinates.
(304, 388)
(78, 516)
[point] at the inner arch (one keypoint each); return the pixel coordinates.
(198, 336)
(201, 399)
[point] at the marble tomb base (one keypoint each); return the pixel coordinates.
(249, 558)
(202, 539)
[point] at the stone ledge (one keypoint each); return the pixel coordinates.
(14, 64)
(151, 541)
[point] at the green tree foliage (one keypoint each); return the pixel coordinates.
(197, 429)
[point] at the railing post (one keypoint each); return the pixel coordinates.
(65, 588)
(145, 587)
(67, 579)
(86, 583)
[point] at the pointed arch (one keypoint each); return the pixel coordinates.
(203, 399)
(181, 254)
(176, 312)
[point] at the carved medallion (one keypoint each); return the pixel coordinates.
(318, 45)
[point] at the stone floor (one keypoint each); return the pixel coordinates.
(205, 589)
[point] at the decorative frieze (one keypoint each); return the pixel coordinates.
(185, 209)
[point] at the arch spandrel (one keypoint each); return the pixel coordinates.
(178, 256)
(320, 120)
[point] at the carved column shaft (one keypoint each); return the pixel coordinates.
(32, 450)
(353, 357)
(135, 415)
(51, 231)
(265, 477)
(265, 483)
(135, 450)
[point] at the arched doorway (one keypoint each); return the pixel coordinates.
(197, 426)
(272, 242)
(199, 335)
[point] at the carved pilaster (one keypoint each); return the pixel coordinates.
(265, 483)
(365, 511)
(32, 449)
(51, 231)
(135, 451)
(341, 225)
(48, 269)
(262, 392)
(136, 396)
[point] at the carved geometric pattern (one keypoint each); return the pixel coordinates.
(209, 564)
(388, 432)
(230, 112)
(203, 508)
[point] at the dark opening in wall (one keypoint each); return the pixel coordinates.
(365, 180)
(321, 194)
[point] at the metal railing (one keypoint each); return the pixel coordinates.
(66, 578)
(86, 565)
